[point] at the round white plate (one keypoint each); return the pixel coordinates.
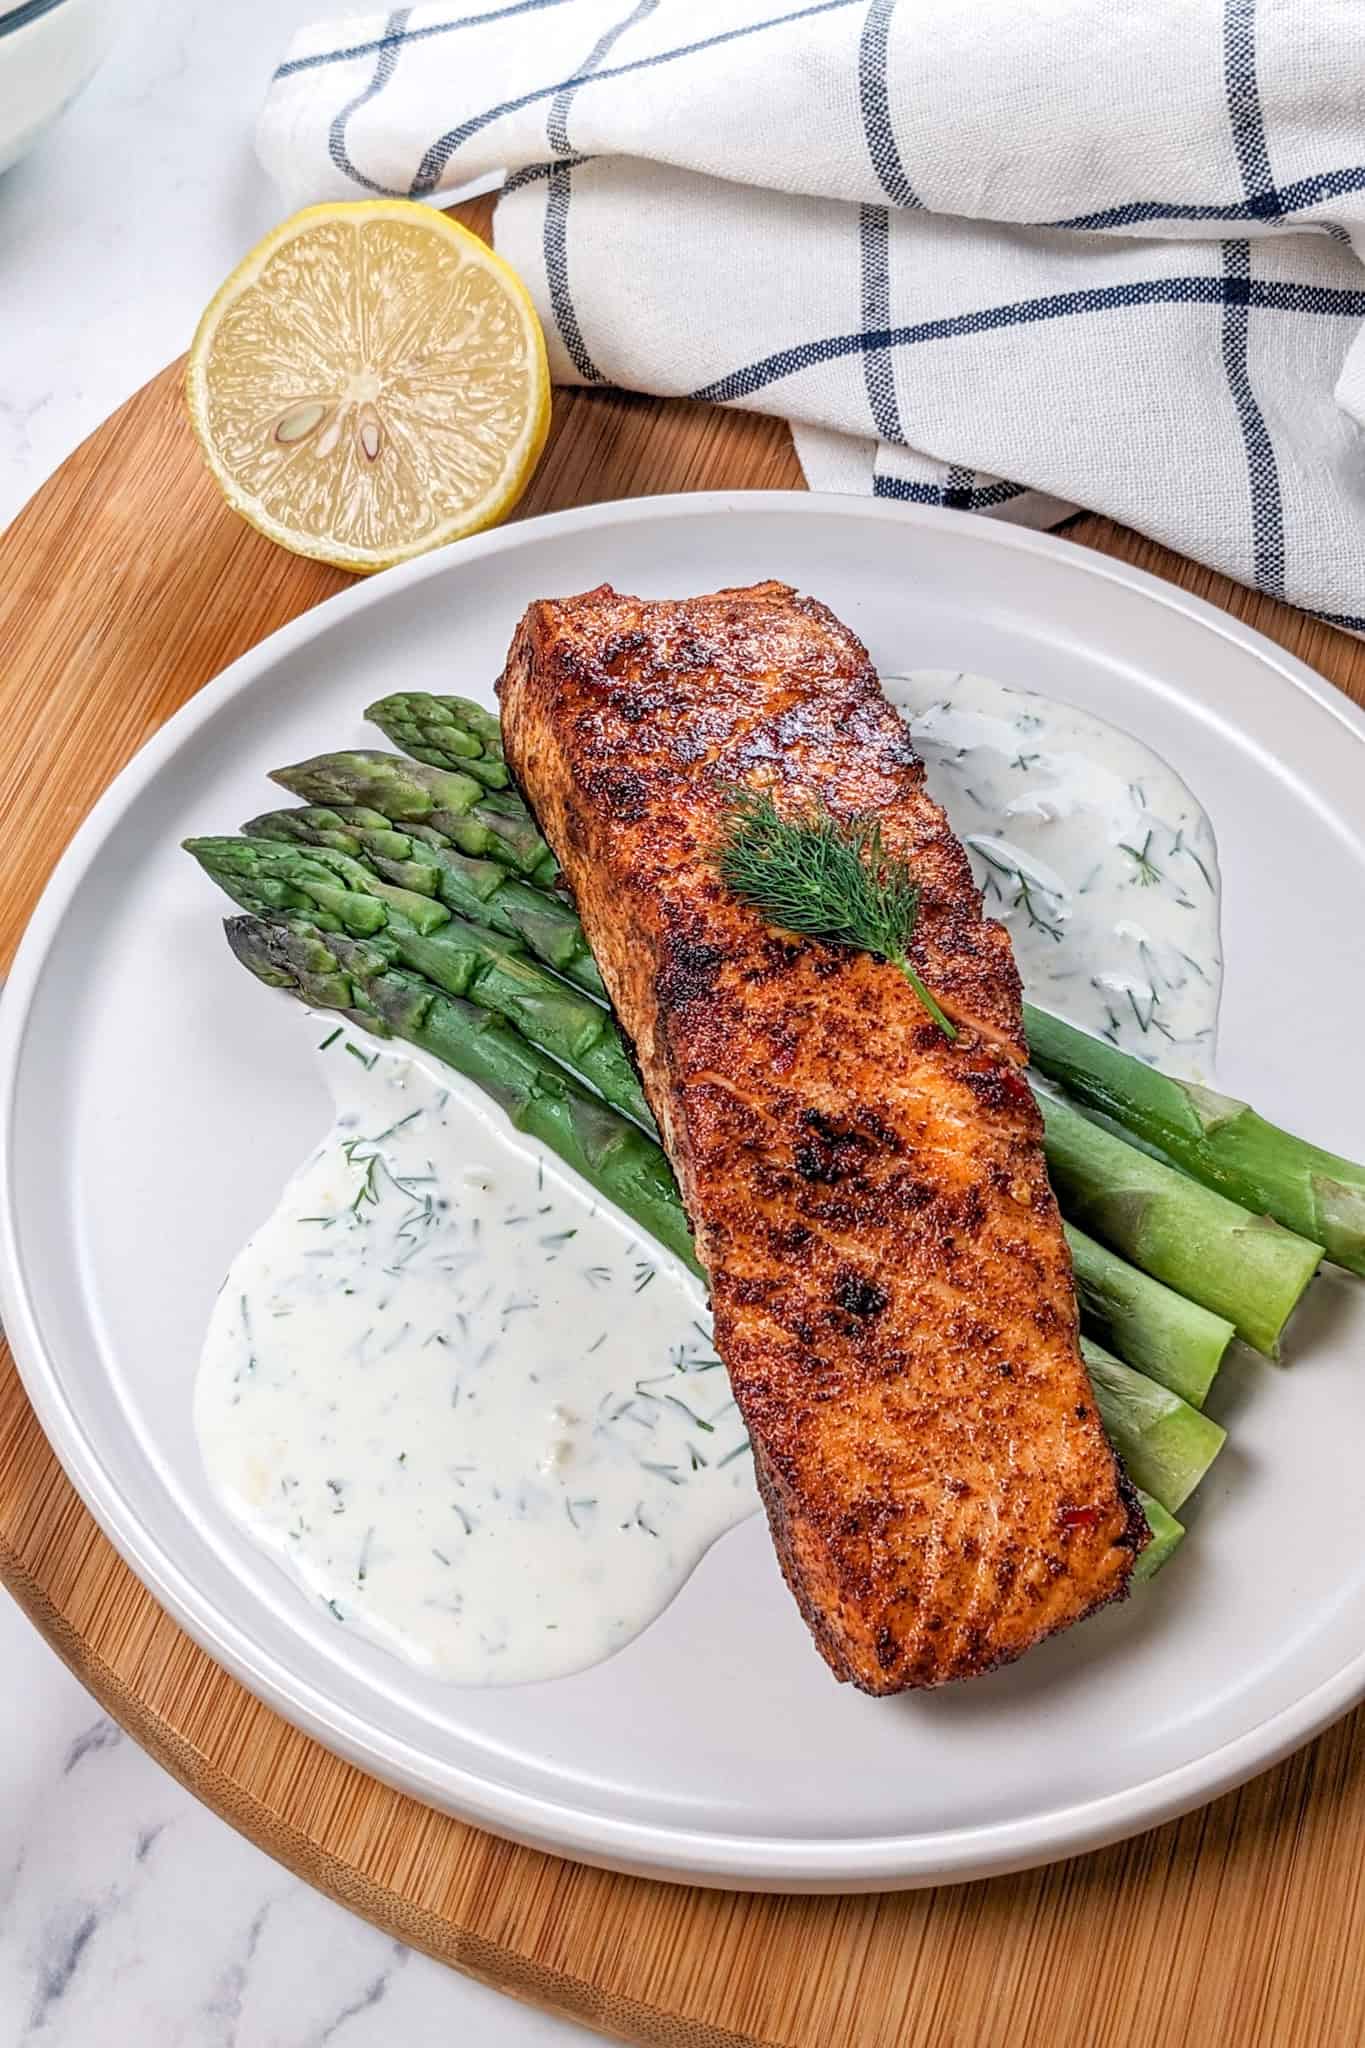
(153, 1100)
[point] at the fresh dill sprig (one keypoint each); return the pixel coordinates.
(824, 879)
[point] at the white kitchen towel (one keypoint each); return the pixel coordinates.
(1011, 256)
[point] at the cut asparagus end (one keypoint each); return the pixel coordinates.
(1339, 1216)
(1151, 1326)
(1221, 1141)
(1240, 1266)
(1166, 1445)
(1167, 1537)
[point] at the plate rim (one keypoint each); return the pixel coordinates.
(656, 1850)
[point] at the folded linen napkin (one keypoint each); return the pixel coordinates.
(1015, 256)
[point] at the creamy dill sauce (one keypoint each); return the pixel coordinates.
(479, 1419)
(474, 1415)
(1092, 851)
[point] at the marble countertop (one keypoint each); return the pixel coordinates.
(128, 1912)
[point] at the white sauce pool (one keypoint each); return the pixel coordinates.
(477, 1418)
(473, 1414)
(1092, 851)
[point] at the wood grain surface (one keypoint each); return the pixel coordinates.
(124, 586)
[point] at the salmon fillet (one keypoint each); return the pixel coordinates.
(892, 1291)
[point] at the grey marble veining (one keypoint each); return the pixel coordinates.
(130, 1914)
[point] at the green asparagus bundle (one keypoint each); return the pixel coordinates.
(386, 850)
(271, 879)
(1209, 1249)
(1166, 1444)
(311, 876)
(337, 892)
(334, 972)
(1220, 1141)
(477, 820)
(423, 859)
(1154, 1327)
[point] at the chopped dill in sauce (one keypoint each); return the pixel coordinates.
(484, 1431)
(1092, 852)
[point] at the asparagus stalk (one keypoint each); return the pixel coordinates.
(1207, 1248)
(1170, 1339)
(1167, 1536)
(423, 859)
(334, 972)
(1220, 1141)
(478, 820)
(272, 880)
(445, 732)
(1166, 1445)
(330, 971)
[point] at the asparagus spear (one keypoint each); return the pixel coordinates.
(1219, 1140)
(272, 879)
(355, 829)
(1154, 1328)
(478, 820)
(334, 972)
(445, 732)
(423, 859)
(1238, 1265)
(1167, 1536)
(1166, 1445)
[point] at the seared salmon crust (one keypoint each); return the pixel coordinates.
(892, 1290)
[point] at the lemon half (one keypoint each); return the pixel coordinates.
(370, 383)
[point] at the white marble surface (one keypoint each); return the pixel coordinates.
(129, 1913)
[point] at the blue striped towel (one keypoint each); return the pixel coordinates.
(1014, 257)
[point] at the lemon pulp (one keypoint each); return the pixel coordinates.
(369, 383)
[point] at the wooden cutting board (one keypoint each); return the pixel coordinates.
(124, 586)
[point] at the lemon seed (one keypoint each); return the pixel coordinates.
(298, 424)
